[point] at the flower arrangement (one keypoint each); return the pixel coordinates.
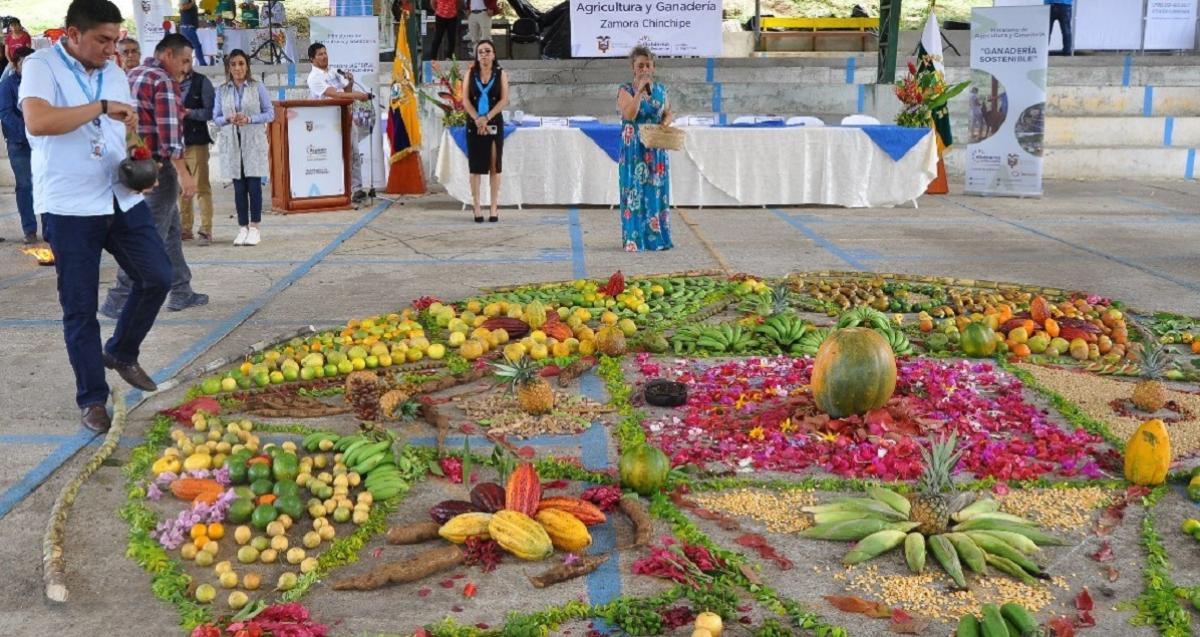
(924, 93)
(449, 95)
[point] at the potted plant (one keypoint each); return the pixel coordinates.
(449, 95)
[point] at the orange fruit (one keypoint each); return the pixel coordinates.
(198, 531)
(200, 541)
(1020, 349)
(1196, 347)
(216, 531)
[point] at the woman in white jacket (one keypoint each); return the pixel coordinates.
(242, 110)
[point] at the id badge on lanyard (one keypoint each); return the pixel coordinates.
(97, 143)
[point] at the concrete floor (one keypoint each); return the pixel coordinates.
(1132, 241)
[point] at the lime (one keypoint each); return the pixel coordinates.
(211, 385)
(263, 515)
(261, 487)
(240, 510)
(1190, 526)
(258, 471)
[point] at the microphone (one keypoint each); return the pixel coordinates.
(341, 72)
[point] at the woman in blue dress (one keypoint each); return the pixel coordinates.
(645, 178)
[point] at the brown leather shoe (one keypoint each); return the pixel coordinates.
(95, 418)
(131, 373)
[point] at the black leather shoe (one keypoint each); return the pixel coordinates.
(132, 373)
(95, 418)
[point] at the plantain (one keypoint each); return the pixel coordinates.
(969, 553)
(874, 545)
(945, 554)
(914, 552)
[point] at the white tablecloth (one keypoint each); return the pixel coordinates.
(718, 167)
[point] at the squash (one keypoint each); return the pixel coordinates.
(644, 468)
(520, 535)
(567, 532)
(201, 489)
(854, 372)
(978, 340)
(1148, 454)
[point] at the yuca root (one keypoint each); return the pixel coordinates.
(564, 572)
(575, 370)
(439, 421)
(414, 533)
(413, 569)
(54, 566)
(643, 527)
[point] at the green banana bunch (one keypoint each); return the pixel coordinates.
(899, 342)
(784, 329)
(320, 441)
(811, 341)
(354, 456)
(864, 316)
(683, 341)
(722, 339)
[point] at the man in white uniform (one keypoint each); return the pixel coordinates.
(327, 83)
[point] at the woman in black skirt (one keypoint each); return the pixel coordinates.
(487, 95)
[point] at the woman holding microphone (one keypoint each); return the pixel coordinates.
(645, 179)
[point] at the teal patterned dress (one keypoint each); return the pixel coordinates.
(645, 179)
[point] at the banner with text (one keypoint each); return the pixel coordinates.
(1009, 48)
(1171, 24)
(148, 20)
(353, 45)
(315, 161)
(611, 28)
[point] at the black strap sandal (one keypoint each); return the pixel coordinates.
(493, 219)
(478, 219)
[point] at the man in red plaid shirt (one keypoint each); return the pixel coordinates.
(155, 88)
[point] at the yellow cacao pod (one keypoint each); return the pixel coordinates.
(1148, 454)
(464, 525)
(520, 535)
(535, 314)
(567, 532)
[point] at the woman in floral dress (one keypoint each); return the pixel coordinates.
(645, 178)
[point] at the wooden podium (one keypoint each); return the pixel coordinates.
(310, 155)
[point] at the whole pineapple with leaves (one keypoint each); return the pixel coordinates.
(1149, 395)
(933, 503)
(533, 392)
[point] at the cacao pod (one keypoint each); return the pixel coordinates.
(567, 532)
(587, 512)
(520, 535)
(516, 328)
(443, 511)
(201, 489)
(488, 497)
(558, 330)
(524, 490)
(535, 314)
(461, 527)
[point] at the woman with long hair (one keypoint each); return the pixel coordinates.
(486, 88)
(242, 110)
(645, 185)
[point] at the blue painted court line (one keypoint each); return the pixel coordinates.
(1178, 216)
(716, 97)
(1127, 71)
(816, 238)
(604, 583)
(15, 493)
(710, 69)
(549, 256)
(1189, 170)
(1148, 101)
(1168, 130)
(21, 278)
(18, 492)
(851, 65)
(862, 98)
(578, 261)
(1164, 276)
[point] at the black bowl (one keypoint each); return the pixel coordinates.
(138, 174)
(665, 393)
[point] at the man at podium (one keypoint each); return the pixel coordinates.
(327, 83)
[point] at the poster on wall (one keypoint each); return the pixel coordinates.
(148, 18)
(353, 45)
(1171, 24)
(315, 161)
(1007, 100)
(611, 28)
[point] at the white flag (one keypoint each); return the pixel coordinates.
(931, 42)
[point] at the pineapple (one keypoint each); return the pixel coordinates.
(1149, 394)
(931, 506)
(779, 298)
(533, 392)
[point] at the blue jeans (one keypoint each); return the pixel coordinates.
(247, 198)
(189, 32)
(132, 239)
(18, 156)
(1062, 14)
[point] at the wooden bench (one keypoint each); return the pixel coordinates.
(815, 27)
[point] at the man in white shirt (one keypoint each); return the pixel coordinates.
(479, 21)
(327, 83)
(77, 105)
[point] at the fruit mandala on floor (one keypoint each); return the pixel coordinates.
(929, 455)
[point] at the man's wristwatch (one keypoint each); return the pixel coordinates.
(104, 107)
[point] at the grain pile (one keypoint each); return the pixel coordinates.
(927, 595)
(501, 414)
(779, 511)
(1094, 393)
(1059, 509)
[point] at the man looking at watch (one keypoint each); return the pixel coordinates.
(77, 106)
(155, 88)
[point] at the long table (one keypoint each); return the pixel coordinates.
(719, 166)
